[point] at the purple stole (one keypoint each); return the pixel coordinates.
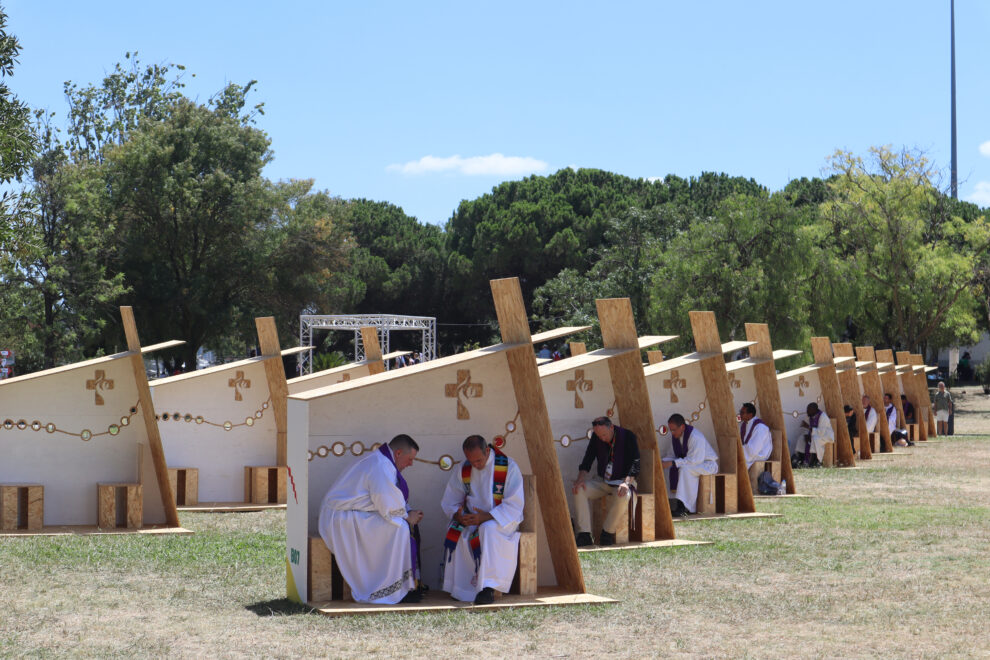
(400, 482)
(746, 436)
(680, 451)
(890, 410)
(812, 424)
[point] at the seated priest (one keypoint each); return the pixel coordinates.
(811, 448)
(908, 410)
(617, 452)
(898, 434)
(870, 413)
(851, 424)
(365, 521)
(757, 441)
(693, 457)
(484, 500)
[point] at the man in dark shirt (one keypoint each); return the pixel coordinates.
(908, 410)
(617, 453)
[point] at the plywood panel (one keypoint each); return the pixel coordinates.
(874, 389)
(768, 394)
(926, 401)
(821, 349)
(849, 385)
(275, 375)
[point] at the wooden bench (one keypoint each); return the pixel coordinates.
(717, 493)
(22, 506)
(120, 505)
(265, 484)
(325, 583)
(830, 456)
(185, 485)
(759, 467)
(913, 434)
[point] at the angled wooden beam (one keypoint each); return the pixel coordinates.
(633, 401)
(888, 378)
(768, 394)
(654, 356)
(849, 385)
(149, 416)
(721, 406)
(512, 321)
(372, 349)
(275, 375)
(917, 392)
(926, 400)
(874, 389)
(821, 350)
(577, 348)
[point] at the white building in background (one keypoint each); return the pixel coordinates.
(948, 358)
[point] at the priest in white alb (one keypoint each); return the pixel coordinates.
(818, 432)
(484, 499)
(693, 457)
(366, 522)
(870, 413)
(757, 442)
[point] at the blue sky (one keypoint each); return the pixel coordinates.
(425, 104)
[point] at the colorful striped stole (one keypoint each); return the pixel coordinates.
(455, 529)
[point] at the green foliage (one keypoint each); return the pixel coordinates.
(17, 142)
(331, 360)
(982, 372)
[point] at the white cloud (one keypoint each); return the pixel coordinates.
(654, 179)
(985, 148)
(491, 165)
(980, 194)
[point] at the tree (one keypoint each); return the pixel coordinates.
(187, 195)
(918, 262)
(17, 141)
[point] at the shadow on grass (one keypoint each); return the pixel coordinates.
(279, 607)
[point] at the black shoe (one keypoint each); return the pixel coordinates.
(414, 596)
(584, 539)
(606, 538)
(485, 597)
(682, 512)
(814, 462)
(676, 506)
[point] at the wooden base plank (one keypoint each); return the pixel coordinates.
(781, 497)
(229, 507)
(734, 516)
(668, 543)
(93, 530)
(438, 601)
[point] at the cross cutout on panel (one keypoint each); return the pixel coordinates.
(97, 383)
(578, 385)
(801, 384)
(733, 381)
(673, 383)
(237, 382)
(463, 390)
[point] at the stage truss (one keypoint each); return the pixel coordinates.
(384, 324)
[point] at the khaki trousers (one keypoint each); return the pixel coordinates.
(595, 488)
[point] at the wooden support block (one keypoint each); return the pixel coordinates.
(600, 511)
(524, 582)
(913, 432)
(324, 581)
(185, 485)
(873, 442)
(120, 505)
(758, 468)
(717, 493)
(528, 523)
(645, 530)
(829, 459)
(265, 484)
(22, 506)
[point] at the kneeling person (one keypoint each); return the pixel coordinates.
(693, 457)
(485, 502)
(617, 452)
(365, 522)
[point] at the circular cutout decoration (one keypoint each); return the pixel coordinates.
(8, 424)
(36, 425)
(249, 421)
(322, 451)
(164, 417)
(199, 419)
(701, 406)
(124, 421)
(22, 424)
(227, 426)
(50, 427)
(258, 414)
(610, 412)
(86, 434)
(738, 418)
(565, 441)
(695, 416)
(133, 410)
(663, 429)
(176, 416)
(510, 427)
(264, 406)
(375, 446)
(187, 418)
(795, 414)
(338, 449)
(498, 442)
(446, 462)
(357, 448)
(113, 429)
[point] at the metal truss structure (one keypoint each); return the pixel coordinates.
(383, 323)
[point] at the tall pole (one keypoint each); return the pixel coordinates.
(952, 60)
